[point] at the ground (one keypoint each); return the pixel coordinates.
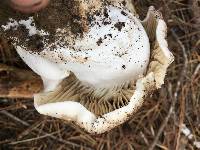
(168, 120)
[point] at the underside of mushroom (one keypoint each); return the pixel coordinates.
(111, 63)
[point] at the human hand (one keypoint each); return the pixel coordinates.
(28, 6)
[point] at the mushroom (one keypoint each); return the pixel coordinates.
(100, 75)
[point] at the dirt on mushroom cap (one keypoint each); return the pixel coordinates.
(49, 19)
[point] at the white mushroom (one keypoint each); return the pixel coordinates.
(100, 78)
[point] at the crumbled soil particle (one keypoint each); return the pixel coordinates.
(91, 18)
(36, 41)
(119, 25)
(106, 22)
(124, 66)
(123, 13)
(124, 3)
(99, 42)
(110, 35)
(105, 12)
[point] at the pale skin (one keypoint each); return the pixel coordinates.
(28, 6)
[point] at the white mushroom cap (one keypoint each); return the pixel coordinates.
(114, 51)
(69, 96)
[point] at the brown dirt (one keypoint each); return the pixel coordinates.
(58, 14)
(155, 126)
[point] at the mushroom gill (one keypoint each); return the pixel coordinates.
(98, 68)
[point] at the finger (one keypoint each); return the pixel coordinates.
(30, 8)
(25, 3)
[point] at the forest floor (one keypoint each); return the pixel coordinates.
(168, 120)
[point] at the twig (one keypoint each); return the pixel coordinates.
(196, 70)
(18, 83)
(181, 116)
(164, 123)
(30, 128)
(6, 113)
(33, 139)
